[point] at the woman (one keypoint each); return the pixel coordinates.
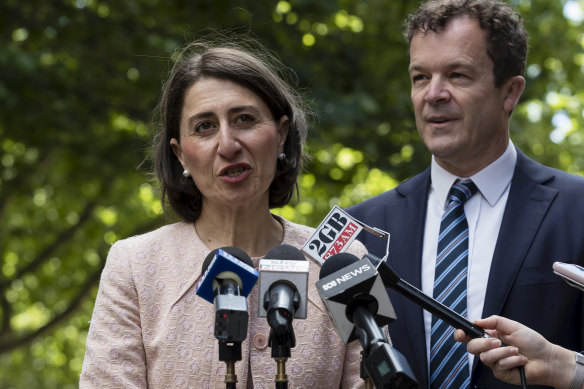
(230, 148)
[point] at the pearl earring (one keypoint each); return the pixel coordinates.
(186, 173)
(282, 156)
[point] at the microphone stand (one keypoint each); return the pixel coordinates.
(364, 375)
(384, 367)
(281, 340)
(230, 352)
(231, 319)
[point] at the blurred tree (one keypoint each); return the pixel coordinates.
(80, 78)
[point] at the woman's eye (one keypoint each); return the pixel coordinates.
(244, 120)
(204, 126)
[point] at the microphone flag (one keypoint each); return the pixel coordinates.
(335, 234)
(225, 262)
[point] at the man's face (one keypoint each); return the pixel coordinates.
(461, 115)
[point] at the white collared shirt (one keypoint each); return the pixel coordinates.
(484, 213)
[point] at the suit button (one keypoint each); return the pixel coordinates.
(260, 341)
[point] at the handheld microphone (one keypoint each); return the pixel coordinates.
(393, 281)
(358, 304)
(228, 277)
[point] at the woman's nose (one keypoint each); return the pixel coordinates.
(229, 144)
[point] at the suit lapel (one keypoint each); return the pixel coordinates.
(406, 251)
(528, 202)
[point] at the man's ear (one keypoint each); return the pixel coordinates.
(512, 90)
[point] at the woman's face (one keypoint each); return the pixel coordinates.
(229, 142)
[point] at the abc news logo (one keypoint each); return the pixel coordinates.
(346, 277)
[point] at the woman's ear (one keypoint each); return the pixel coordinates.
(177, 150)
(283, 127)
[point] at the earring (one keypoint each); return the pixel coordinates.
(282, 156)
(186, 173)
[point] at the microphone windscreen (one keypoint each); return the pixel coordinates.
(336, 262)
(235, 251)
(285, 252)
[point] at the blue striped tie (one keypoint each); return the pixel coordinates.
(448, 358)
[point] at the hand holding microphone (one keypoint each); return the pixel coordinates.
(393, 281)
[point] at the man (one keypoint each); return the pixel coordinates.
(467, 64)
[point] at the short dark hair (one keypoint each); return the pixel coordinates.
(507, 38)
(250, 65)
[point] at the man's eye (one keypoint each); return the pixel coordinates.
(418, 77)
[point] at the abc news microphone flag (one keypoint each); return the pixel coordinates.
(335, 234)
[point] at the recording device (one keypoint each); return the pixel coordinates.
(393, 281)
(228, 278)
(571, 273)
(358, 304)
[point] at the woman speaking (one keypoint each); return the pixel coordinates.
(229, 148)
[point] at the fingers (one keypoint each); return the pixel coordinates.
(460, 336)
(482, 345)
(503, 358)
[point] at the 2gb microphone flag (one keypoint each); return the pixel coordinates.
(334, 235)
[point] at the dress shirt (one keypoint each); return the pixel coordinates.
(484, 212)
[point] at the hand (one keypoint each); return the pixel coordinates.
(545, 363)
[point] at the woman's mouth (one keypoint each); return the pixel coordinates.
(235, 173)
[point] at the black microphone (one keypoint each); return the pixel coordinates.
(393, 281)
(283, 295)
(283, 281)
(358, 303)
(228, 277)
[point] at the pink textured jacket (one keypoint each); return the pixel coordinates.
(150, 330)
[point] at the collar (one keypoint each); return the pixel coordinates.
(492, 181)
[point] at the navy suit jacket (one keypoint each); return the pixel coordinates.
(543, 222)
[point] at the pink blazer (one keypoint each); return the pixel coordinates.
(150, 330)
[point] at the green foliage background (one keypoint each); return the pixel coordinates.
(79, 80)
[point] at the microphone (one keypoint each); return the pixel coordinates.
(358, 303)
(345, 282)
(283, 281)
(228, 278)
(283, 295)
(393, 281)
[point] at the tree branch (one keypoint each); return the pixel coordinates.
(62, 238)
(9, 343)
